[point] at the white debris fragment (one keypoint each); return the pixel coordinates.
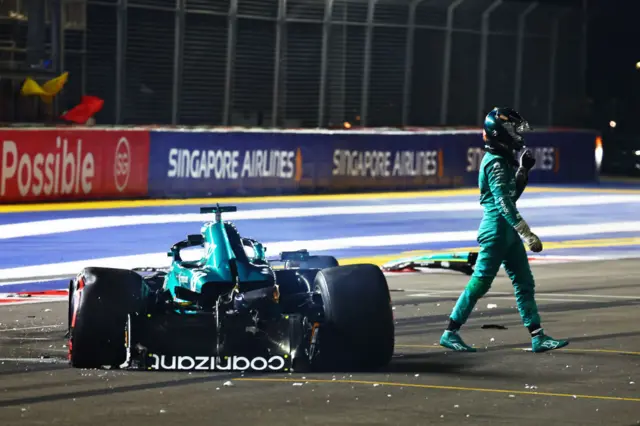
(575, 397)
(512, 396)
(492, 306)
(416, 375)
(456, 406)
(227, 383)
(492, 340)
(297, 384)
(47, 310)
(632, 383)
(388, 395)
(23, 410)
(375, 385)
(163, 411)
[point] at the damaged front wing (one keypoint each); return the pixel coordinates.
(461, 262)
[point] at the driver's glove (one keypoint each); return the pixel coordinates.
(531, 239)
(527, 160)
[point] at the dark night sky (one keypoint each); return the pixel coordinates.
(613, 50)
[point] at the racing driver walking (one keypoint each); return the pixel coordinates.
(501, 229)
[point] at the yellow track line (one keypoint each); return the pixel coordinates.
(552, 245)
(438, 387)
(121, 204)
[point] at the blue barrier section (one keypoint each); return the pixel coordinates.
(191, 164)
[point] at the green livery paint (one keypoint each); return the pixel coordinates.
(224, 258)
(499, 192)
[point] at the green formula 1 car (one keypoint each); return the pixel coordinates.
(234, 309)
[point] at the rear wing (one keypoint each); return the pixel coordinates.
(218, 210)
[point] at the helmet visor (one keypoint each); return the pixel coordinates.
(516, 129)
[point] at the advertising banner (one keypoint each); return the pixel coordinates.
(397, 161)
(70, 164)
(216, 163)
(185, 163)
(561, 157)
(77, 164)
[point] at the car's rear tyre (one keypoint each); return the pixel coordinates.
(358, 332)
(102, 301)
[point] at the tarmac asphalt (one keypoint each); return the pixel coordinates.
(595, 380)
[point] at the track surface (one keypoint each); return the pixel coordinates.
(596, 380)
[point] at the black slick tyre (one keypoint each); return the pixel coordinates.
(358, 331)
(101, 303)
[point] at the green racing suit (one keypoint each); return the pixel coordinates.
(500, 188)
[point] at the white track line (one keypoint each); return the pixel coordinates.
(36, 360)
(56, 226)
(38, 339)
(403, 240)
(30, 302)
(560, 296)
(4, 330)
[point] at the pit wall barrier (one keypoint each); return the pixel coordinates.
(111, 163)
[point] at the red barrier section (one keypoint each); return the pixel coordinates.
(68, 164)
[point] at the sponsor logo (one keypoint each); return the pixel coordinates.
(547, 158)
(196, 278)
(208, 363)
(474, 159)
(232, 165)
(64, 170)
(72, 164)
(550, 344)
(122, 164)
(387, 163)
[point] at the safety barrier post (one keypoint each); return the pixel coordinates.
(326, 30)
(364, 105)
(121, 49)
(277, 63)
(444, 101)
(408, 65)
(232, 30)
(177, 59)
(519, 54)
(482, 83)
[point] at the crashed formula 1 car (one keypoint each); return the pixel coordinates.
(233, 310)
